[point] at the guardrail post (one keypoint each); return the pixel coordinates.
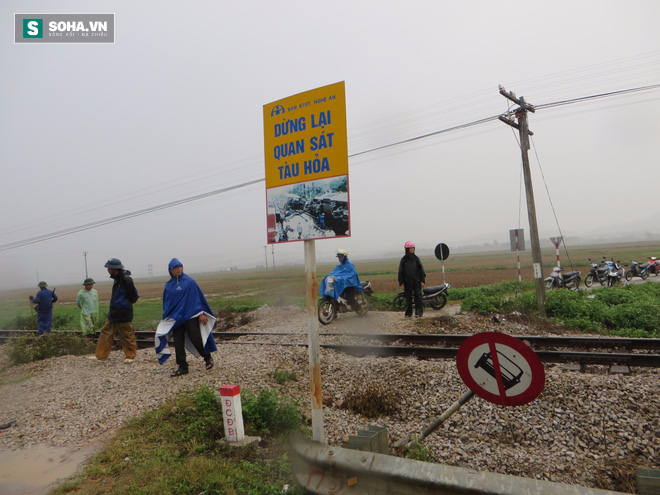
(372, 440)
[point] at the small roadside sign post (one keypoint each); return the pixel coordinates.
(557, 241)
(496, 367)
(442, 253)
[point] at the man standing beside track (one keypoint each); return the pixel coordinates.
(120, 315)
(88, 302)
(44, 301)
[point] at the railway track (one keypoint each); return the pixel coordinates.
(608, 351)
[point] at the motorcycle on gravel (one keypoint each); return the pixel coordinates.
(329, 307)
(638, 269)
(596, 273)
(435, 297)
(654, 265)
(559, 280)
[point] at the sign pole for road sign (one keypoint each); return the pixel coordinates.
(498, 368)
(313, 340)
(442, 418)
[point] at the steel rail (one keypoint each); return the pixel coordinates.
(606, 358)
(146, 339)
(535, 341)
(586, 358)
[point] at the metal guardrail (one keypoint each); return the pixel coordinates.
(324, 470)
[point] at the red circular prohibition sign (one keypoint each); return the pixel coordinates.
(500, 369)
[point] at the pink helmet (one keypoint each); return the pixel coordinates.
(409, 244)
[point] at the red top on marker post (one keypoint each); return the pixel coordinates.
(230, 390)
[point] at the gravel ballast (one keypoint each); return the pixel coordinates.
(585, 428)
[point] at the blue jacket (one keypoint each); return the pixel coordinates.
(124, 295)
(346, 276)
(44, 300)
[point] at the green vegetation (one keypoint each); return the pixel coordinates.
(178, 449)
(281, 376)
(630, 311)
(28, 348)
(419, 452)
(266, 414)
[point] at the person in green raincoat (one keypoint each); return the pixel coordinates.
(88, 302)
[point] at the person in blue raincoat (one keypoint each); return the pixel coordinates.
(44, 305)
(346, 282)
(188, 316)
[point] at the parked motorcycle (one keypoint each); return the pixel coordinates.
(615, 273)
(654, 265)
(435, 297)
(559, 280)
(329, 307)
(596, 273)
(638, 269)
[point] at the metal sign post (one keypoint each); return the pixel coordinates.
(313, 340)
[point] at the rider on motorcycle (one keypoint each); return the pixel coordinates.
(347, 281)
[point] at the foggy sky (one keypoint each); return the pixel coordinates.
(173, 109)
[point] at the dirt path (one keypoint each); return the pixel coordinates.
(35, 470)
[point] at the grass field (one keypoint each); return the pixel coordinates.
(286, 284)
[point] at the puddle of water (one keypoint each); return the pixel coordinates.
(35, 470)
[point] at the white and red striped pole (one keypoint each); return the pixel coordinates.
(557, 248)
(232, 412)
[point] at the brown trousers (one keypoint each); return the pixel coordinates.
(107, 339)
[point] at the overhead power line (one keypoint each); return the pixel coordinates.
(594, 97)
(125, 216)
(172, 204)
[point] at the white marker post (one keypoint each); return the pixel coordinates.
(232, 413)
(556, 241)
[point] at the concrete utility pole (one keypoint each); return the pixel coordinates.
(521, 114)
(85, 255)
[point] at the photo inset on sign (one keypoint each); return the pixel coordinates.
(308, 210)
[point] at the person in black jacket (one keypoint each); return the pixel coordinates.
(120, 315)
(412, 278)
